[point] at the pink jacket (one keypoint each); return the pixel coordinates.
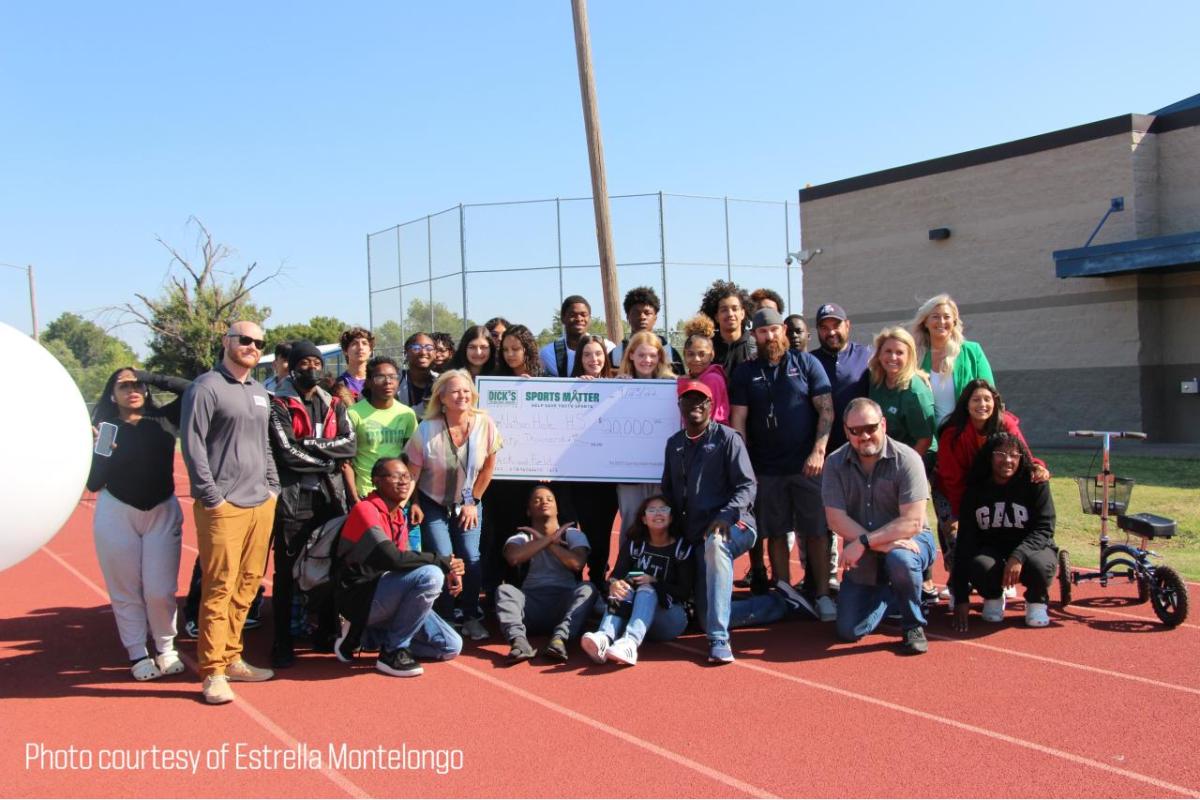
(714, 378)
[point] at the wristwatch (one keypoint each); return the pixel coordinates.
(864, 541)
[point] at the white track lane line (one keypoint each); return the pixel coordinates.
(338, 779)
(629, 738)
(1110, 612)
(1066, 664)
(858, 696)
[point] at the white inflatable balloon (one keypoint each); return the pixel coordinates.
(46, 450)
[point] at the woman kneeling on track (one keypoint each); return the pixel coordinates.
(384, 591)
(138, 523)
(653, 578)
(1005, 534)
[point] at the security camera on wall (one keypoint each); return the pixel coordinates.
(804, 256)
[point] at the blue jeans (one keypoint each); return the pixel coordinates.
(402, 614)
(860, 608)
(444, 535)
(714, 578)
(647, 620)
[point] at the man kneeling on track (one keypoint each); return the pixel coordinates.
(551, 597)
(383, 590)
(1005, 534)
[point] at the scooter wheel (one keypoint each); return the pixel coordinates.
(1168, 596)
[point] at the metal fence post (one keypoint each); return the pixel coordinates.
(462, 259)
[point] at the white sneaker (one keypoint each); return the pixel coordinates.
(623, 651)
(474, 630)
(826, 608)
(993, 609)
(1037, 615)
(1010, 593)
(791, 542)
(595, 644)
(169, 663)
(145, 670)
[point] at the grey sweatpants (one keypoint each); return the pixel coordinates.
(139, 556)
(558, 611)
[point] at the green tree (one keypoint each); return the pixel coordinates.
(187, 322)
(389, 339)
(88, 352)
(318, 330)
(422, 317)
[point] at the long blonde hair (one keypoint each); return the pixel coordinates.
(433, 406)
(637, 340)
(921, 333)
(878, 376)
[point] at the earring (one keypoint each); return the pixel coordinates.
(113, 398)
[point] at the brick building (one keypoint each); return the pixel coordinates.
(1104, 336)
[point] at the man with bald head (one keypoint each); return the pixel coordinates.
(234, 485)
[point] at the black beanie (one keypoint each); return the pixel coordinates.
(301, 350)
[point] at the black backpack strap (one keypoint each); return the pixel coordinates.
(560, 357)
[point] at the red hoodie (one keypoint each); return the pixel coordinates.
(956, 453)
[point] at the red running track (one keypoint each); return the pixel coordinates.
(1104, 703)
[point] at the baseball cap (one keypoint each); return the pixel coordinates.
(685, 385)
(831, 310)
(766, 316)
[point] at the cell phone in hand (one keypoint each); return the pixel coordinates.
(106, 439)
(629, 576)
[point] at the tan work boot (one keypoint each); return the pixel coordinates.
(216, 690)
(241, 671)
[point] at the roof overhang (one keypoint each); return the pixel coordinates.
(1177, 253)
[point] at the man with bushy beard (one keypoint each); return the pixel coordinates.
(780, 402)
(309, 435)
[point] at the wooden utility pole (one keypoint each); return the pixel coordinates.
(591, 124)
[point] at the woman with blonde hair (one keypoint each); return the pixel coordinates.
(950, 360)
(903, 391)
(451, 457)
(644, 358)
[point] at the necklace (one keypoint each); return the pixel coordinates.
(697, 436)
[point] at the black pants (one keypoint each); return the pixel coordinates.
(595, 506)
(288, 538)
(1039, 569)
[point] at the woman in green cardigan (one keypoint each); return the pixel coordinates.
(950, 360)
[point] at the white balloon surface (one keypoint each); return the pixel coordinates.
(46, 450)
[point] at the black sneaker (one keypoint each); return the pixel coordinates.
(556, 650)
(398, 663)
(520, 650)
(759, 584)
(914, 641)
(283, 655)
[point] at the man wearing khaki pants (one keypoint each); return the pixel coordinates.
(234, 484)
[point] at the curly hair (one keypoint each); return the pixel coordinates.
(357, 333)
(758, 295)
(532, 365)
(981, 467)
(719, 291)
(642, 295)
(701, 325)
(372, 368)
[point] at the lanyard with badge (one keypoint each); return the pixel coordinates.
(463, 464)
(772, 421)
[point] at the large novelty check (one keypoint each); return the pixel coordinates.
(573, 430)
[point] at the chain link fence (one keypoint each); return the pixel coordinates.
(469, 263)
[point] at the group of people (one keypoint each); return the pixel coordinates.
(844, 444)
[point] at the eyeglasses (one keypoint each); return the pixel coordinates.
(131, 386)
(1006, 455)
(246, 341)
(694, 399)
(658, 509)
(386, 377)
(859, 430)
(420, 348)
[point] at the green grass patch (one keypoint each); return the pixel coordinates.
(1169, 487)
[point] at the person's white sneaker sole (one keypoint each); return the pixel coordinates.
(595, 645)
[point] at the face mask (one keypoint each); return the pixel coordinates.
(306, 379)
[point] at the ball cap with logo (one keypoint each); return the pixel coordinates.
(831, 311)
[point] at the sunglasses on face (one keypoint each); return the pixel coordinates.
(859, 430)
(246, 341)
(131, 386)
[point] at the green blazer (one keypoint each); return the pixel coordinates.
(970, 364)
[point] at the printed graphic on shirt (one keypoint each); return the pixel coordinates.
(1001, 515)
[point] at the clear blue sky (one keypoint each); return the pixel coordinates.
(294, 129)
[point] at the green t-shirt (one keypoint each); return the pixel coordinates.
(909, 412)
(381, 432)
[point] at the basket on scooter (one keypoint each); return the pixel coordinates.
(1091, 493)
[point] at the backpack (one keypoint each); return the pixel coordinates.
(314, 563)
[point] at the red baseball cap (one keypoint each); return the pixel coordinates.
(685, 385)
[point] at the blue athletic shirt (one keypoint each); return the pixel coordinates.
(789, 386)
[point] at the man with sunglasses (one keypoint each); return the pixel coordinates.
(224, 431)
(875, 492)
